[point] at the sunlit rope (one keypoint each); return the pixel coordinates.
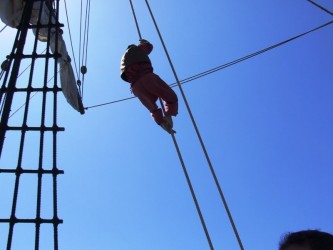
(197, 131)
(181, 159)
(136, 20)
(223, 66)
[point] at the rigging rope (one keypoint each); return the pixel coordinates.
(197, 131)
(83, 68)
(321, 7)
(136, 20)
(80, 39)
(223, 66)
(71, 41)
(1, 74)
(3, 28)
(182, 161)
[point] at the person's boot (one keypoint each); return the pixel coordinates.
(168, 120)
(166, 126)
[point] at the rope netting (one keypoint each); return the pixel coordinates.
(35, 180)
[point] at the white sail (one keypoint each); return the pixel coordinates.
(11, 12)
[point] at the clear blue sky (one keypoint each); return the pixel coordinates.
(267, 124)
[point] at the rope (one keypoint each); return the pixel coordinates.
(321, 7)
(32, 96)
(22, 30)
(80, 39)
(12, 114)
(70, 38)
(3, 28)
(85, 44)
(136, 21)
(223, 66)
(197, 131)
(181, 160)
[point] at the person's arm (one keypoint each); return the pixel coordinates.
(146, 46)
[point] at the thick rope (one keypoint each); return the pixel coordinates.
(19, 45)
(136, 20)
(181, 159)
(197, 131)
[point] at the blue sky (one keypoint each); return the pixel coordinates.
(266, 123)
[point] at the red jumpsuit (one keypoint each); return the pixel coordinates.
(136, 69)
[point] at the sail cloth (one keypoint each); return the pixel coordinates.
(11, 12)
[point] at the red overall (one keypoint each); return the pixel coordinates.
(136, 69)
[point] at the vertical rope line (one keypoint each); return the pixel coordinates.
(136, 21)
(3, 88)
(42, 132)
(71, 41)
(80, 39)
(55, 125)
(88, 26)
(19, 42)
(197, 131)
(181, 159)
(85, 43)
(18, 47)
(2, 103)
(84, 34)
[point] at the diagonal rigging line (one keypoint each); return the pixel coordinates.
(175, 142)
(321, 7)
(248, 56)
(198, 135)
(3, 28)
(226, 65)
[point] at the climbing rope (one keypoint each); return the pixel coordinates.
(5, 66)
(181, 159)
(17, 56)
(136, 20)
(197, 131)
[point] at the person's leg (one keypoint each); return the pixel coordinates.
(158, 88)
(147, 99)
